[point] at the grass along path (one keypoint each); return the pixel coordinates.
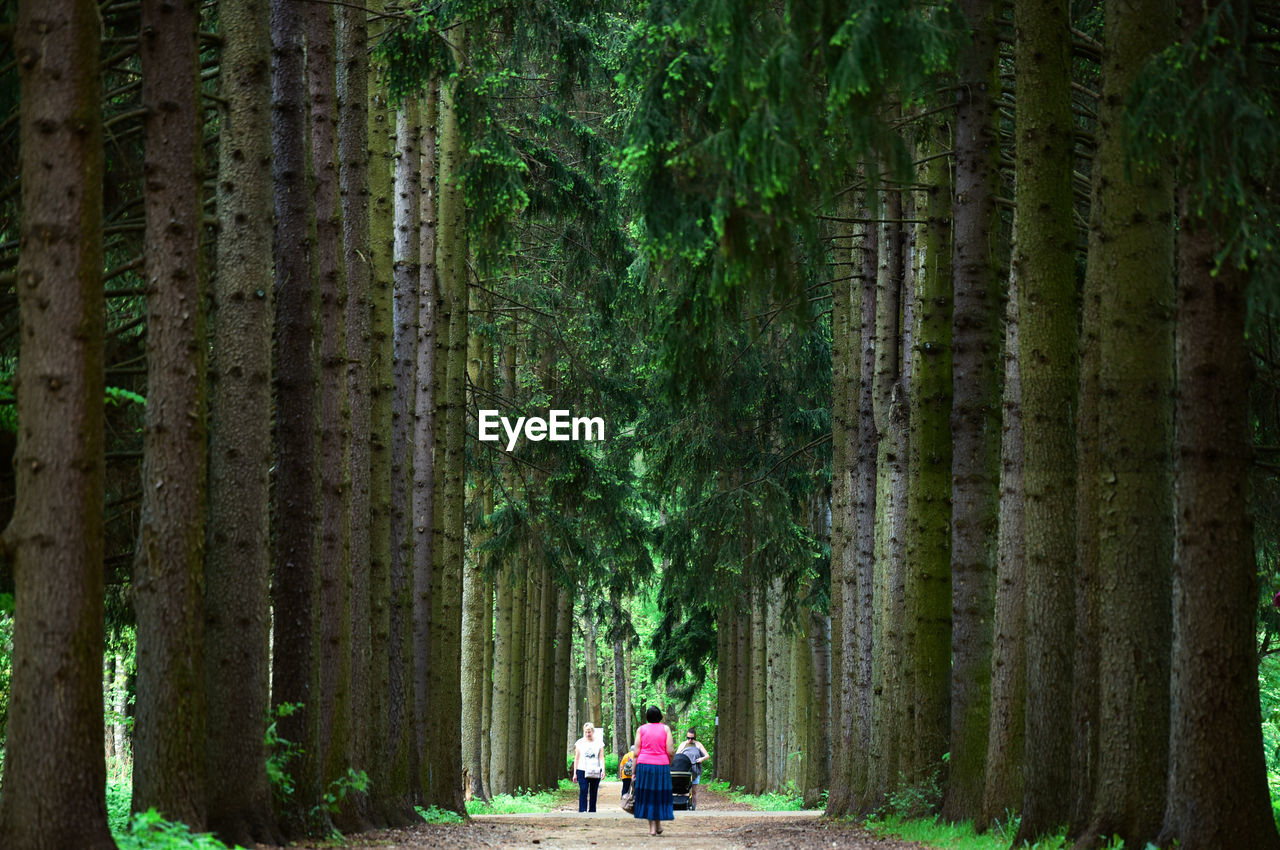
(718, 824)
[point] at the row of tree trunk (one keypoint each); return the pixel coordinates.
(329, 553)
(1009, 617)
(772, 727)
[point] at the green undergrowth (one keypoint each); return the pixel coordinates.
(777, 801)
(149, 830)
(436, 814)
(933, 832)
(522, 802)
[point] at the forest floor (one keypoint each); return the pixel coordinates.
(717, 824)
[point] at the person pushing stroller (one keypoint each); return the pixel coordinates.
(696, 753)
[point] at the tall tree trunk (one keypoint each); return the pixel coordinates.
(620, 742)
(475, 595)
(799, 706)
(859, 605)
(295, 673)
(723, 763)
(427, 326)
(169, 758)
(1006, 740)
(120, 704)
(594, 698)
(548, 773)
(405, 716)
(976, 414)
(1217, 794)
(1132, 244)
(929, 499)
(486, 629)
(1044, 267)
(817, 761)
(386, 808)
(1084, 684)
(446, 609)
(887, 713)
(777, 654)
(564, 661)
(335, 424)
(54, 770)
(503, 658)
(845, 351)
(237, 568)
(759, 753)
(388, 788)
(353, 175)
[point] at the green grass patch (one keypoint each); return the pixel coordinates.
(529, 803)
(435, 814)
(933, 832)
(778, 801)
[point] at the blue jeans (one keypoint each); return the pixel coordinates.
(587, 789)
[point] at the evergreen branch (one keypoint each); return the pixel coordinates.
(809, 445)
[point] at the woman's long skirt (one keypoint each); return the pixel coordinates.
(652, 790)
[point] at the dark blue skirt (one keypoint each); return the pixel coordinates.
(652, 790)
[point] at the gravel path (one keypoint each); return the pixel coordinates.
(718, 824)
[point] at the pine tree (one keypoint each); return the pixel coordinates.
(169, 758)
(54, 770)
(237, 565)
(1046, 346)
(1131, 242)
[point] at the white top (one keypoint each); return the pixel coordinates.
(590, 754)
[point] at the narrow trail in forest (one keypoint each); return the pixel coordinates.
(717, 824)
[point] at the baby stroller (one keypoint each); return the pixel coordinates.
(681, 780)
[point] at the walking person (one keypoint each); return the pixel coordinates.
(697, 754)
(654, 749)
(588, 766)
(627, 769)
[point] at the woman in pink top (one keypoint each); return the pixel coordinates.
(652, 786)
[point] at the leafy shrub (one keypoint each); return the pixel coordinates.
(279, 753)
(915, 801)
(150, 831)
(435, 814)
(119, 794)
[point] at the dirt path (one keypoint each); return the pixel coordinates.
(718, 824)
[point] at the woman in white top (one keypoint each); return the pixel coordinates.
(588, 766)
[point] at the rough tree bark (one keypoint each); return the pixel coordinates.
(446, 609)
(388, 786)
(474, 596)
(169, 758)
(295, 674)
(237, 568)
(353, 175)
(1043, 264)
(427, 324)
(1217, 795)
(976, 414)
(335, 426)
(54, 772)
(1131, 244)
(845, 351)
(403, 696)
(1006, 740)
(930, 503)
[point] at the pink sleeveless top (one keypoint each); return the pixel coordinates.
(653, 744)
